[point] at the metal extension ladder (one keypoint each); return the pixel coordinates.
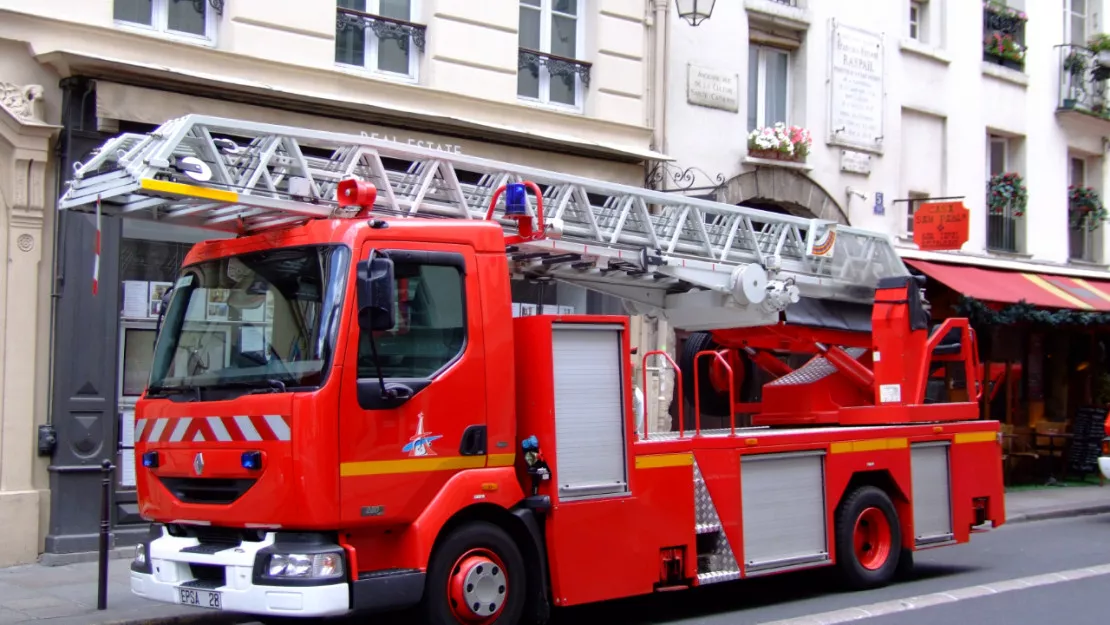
(645, 246)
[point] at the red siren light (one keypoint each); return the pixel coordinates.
(354, 192)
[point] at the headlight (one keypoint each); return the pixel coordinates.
(305, 566)
(140, 554)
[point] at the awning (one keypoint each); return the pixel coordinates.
(1010, 287)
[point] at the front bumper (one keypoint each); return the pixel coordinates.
(1104, 466)
(223, 580)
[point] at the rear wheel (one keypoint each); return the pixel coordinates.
(712, 388)
(476, 577)
(868, 538)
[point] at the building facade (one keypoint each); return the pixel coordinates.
(860, 112)
(555, 84)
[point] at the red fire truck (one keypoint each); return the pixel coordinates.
(345, 414)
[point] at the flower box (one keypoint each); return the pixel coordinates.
(775, 155)
(780, 143)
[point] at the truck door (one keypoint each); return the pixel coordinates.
(395, 455)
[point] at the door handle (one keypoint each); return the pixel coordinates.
(473, 441)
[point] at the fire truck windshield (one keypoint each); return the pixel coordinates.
(258, 322)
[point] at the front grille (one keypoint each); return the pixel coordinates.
(206, 490)
(208, 575)
(214, 539)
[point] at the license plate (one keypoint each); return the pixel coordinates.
(199, 598)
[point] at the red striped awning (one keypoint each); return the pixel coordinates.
(1010, 287)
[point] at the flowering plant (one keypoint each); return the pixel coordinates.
(788, 141)
(1085, 208)
(1000, 9)
(1007, 191)
(1004, 46)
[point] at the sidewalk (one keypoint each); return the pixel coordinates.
(66, 595)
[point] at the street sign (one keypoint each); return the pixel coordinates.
(941, 225)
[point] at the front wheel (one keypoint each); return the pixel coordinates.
(868, 538)
(476, 577)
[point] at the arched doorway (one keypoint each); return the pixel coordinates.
(782, 190)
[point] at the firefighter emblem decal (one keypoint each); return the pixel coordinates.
(421, 443)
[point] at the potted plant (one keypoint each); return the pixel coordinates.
(1085, 209)
(1005, 49)
(1007, 192)
(780, 142)
(1099, 44)
(1075, 63)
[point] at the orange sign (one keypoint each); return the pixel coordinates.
(941, 225)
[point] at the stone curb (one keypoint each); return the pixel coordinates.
(186, 619)
(1059, 513)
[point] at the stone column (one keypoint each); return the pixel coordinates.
(24, 158)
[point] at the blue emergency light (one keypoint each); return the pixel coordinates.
(150, 460)
(252, 460)
(516, 199)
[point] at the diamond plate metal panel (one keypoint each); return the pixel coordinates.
(720, 564)
(813, 370)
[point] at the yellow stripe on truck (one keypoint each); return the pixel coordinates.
(177, 188)
(659, 461)
(878, 444)
(976, 437)
(424, 465)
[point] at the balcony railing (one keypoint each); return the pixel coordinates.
(1083, 75)
(384, 28)
(1004, 35)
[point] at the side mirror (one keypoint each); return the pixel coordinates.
(375, 294)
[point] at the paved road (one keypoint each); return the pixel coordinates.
(993, 560)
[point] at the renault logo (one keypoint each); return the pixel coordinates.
(198, 464)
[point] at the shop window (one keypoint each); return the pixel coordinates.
(551, 43)
(768, 86)
(188, 19)
(429, 329)
(379, 35)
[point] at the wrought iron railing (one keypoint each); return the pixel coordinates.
(556, 65)
(1083, 76)
(384, 28)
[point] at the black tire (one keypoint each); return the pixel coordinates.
(855, 574)
(905, 565)
(435, 609)
(713, 403)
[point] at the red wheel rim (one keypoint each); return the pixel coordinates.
(872, 539)
(477, 587)
(718, 374)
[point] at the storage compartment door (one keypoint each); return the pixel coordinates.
(783, 511)
(932, 493)
(589, 410)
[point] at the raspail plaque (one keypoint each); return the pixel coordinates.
(941, 225)
(856, 98)
(712, 88)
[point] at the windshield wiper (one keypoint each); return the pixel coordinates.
(165, 391)
(273, 385)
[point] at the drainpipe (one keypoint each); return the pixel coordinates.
(659, 82)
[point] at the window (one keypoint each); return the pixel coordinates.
(916, 199)
(917, 20)
(768, 85)
(378, 35)
(1075, 22)
(260, 320)
(1001, 223)
(188, 18)
(1082, 239)
(429, 329)
(550, 45)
